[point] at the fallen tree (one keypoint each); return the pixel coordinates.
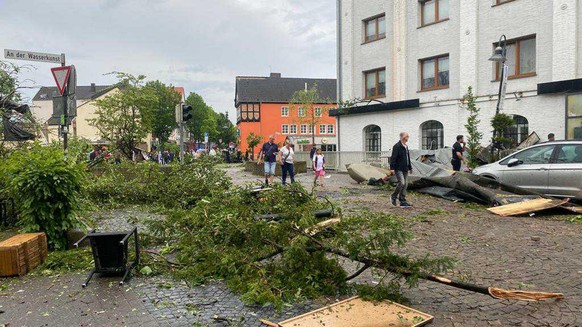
(270, 247)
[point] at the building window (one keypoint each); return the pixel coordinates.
(303, 129)
(292, 129)
(322, 129)
(285, 129)
(521, 58)
(284, 111)
(301, 112)
(328, 148)
(434, 73)
(519, 131)
(434, 11)
(317, 112)
(432, 133)
(574, 117)
(311, 127)
(249, 112)
(375, 28)
(330, 129)
(373, 138)
(375, 83)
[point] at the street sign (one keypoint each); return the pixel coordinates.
(505, 72)
(34, 56)
(206, 137)
(61, 75)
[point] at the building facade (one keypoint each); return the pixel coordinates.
(42, 110)
(413, 62)
(264, 108)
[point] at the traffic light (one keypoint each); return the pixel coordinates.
(186, 112)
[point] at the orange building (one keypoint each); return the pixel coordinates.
(264, 108)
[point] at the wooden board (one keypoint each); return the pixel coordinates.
(525, 207)
(22, 253)
(355, 312)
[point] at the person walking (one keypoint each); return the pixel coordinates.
(312, 151)
(458, 149)
(400, 166)
(286, 161)
(268, 155)
(318, 167)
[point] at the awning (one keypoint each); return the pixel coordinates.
(377, 107)
(567, 86)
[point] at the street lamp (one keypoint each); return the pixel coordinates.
(499, 57)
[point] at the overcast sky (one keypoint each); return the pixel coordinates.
(199, 44)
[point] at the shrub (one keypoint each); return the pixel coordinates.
(47, 191)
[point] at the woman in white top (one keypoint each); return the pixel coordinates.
(286, 155)
(318, 167)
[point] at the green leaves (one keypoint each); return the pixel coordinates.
(47, 190)
(475, 135)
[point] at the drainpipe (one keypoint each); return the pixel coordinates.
(339, 67)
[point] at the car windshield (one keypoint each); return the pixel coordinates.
(536, 155)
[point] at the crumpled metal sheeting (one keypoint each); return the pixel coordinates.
(473, 188)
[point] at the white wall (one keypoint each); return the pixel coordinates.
(468, 37)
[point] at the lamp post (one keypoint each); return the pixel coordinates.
(500, 56)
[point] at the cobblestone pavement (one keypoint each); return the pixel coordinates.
(541, 253)
(535, 253)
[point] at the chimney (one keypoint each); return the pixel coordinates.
(93, 88)
(275, 75)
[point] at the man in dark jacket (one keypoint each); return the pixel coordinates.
(400, 166)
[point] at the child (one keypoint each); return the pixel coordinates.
(318, 167)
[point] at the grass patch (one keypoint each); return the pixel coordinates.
(575, 220)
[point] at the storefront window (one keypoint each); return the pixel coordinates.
(574, 117)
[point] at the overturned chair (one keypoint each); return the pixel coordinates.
(111, 253)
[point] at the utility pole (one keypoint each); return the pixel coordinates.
(65, 118)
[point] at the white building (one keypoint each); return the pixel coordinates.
(418, 58)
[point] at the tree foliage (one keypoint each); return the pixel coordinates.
(253, 140)
(501, 123)
(124, 118)
(203, 118)
(225, 129)
(307, 101)
(9, 82)
(472, 126)
(47, 190)
(162, 117)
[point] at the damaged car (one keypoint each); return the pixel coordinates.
(551, 168)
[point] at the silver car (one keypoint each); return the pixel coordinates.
(552, 168)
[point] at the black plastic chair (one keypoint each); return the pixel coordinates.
(111, 253)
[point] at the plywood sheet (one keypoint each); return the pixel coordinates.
(525, 207)
(355, 312)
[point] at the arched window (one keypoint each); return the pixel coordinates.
(432, 133)
(373, 138)
(519, 131)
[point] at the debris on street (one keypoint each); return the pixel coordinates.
(355, 312)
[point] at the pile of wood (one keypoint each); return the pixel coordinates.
(22, 253)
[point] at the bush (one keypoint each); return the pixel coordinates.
(47, 190)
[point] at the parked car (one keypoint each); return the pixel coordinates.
(551, 168)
